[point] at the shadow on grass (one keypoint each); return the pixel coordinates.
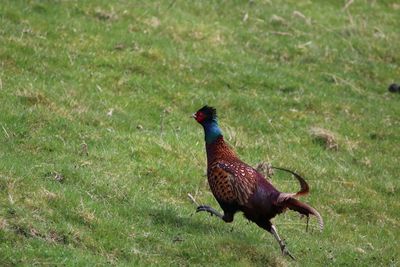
(188, 223)
(230, 238)
(199, 223)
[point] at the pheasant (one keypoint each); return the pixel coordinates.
(238, 187)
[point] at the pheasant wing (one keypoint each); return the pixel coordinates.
(232, 182)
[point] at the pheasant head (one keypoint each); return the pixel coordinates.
(207, 117)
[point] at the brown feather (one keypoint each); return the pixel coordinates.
(304, 209)
(230, 179)
(304, 188)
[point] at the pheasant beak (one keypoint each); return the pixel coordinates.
(194, 116)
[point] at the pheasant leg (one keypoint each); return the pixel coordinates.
(209, 210)
(282, 244)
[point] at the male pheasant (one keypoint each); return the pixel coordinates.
(239, 187)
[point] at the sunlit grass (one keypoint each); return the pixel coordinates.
(98, 151)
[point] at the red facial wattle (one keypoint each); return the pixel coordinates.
(199, 117)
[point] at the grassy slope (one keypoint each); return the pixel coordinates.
(66, 64)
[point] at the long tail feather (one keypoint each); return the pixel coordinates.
(303, 208)
(304, 189)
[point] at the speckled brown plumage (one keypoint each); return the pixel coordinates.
(230, 180)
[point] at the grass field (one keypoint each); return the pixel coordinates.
(98, 153)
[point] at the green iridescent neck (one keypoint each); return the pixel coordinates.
(211, 131)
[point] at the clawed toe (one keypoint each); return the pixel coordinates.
(285, 251)
(209, 210)
(202, 208)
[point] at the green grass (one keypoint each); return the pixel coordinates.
(122, 79)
